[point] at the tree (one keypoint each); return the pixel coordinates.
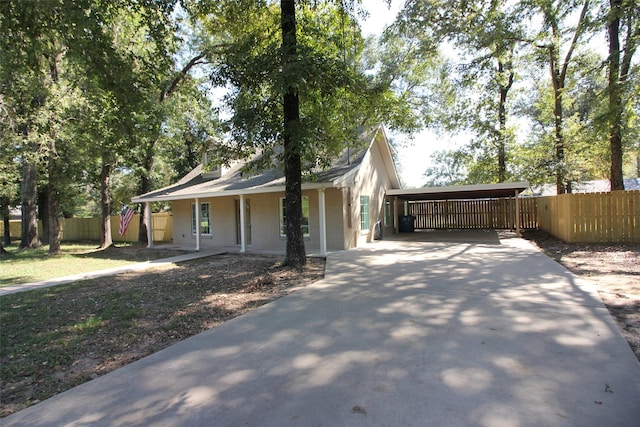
(408, 71)
(98, 46)
(295, 252)
(554, 34)
(622, 14)
(22, 83)
(294, 95)
(192, 125)
(143, 41)
(447, 168)
(148, 142)
(584, 125)
(9, 170)
(486, 35)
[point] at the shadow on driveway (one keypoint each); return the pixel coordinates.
(407, 333)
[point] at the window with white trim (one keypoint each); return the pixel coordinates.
(305, 217)
(364, 213)
(205, 219)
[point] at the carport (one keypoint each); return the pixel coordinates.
(482, 206)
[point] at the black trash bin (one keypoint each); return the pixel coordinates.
(405, 223)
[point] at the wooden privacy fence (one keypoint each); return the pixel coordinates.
(473, 214)
(73, 229)
(592, 217)
(588, 218)
(162, 227)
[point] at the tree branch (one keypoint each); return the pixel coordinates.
(574, 41)
(167, 92)
(631, 43)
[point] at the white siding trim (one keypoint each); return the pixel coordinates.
(322, 217)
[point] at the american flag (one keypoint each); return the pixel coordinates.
(126, 215)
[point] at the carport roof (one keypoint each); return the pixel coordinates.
(461, 192)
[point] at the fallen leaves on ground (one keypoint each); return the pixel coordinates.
(56, 338)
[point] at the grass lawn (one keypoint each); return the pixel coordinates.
(35, 265)
(55, 338)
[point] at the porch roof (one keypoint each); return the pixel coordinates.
(461, 192)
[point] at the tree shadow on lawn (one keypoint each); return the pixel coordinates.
(134, 252)
(56, 338)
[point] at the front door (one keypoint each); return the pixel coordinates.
(247, 222)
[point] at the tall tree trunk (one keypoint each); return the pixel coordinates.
(53, 187)
(557, 80)
(502, 152)
(295, 251)
(43, 213)
(52, 201)
(7, 230)
(502, 119)
(28, 197)
(561, 168)
(4, 208)
(615, 98)
(54, 222)
(105, 202)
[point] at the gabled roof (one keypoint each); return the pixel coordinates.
(236, 181)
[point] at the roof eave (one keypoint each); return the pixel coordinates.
(461, 191)
(390, 151)
(230, 193)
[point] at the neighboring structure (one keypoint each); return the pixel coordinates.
(598, 186)
(229, 209)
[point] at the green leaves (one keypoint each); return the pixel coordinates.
(335, 94)
(502, 57)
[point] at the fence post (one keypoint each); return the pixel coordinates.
(147, 213)
(518, 214)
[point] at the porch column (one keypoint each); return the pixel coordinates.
(518, 214)
(395, 215)
(242, 231)
(323, 222)
(147, 213)
(197, 207)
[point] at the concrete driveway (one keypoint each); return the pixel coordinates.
(399, 333)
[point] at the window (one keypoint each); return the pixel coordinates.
(364, 213)
(205, 218)
(305, 217)
(387, 213)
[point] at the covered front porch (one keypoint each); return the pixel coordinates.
(250, 221)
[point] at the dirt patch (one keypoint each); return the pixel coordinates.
(56, 338)
(615, 269)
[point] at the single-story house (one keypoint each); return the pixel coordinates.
(227, 208)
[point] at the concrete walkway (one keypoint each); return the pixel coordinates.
(22, 287)
(399, 333)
